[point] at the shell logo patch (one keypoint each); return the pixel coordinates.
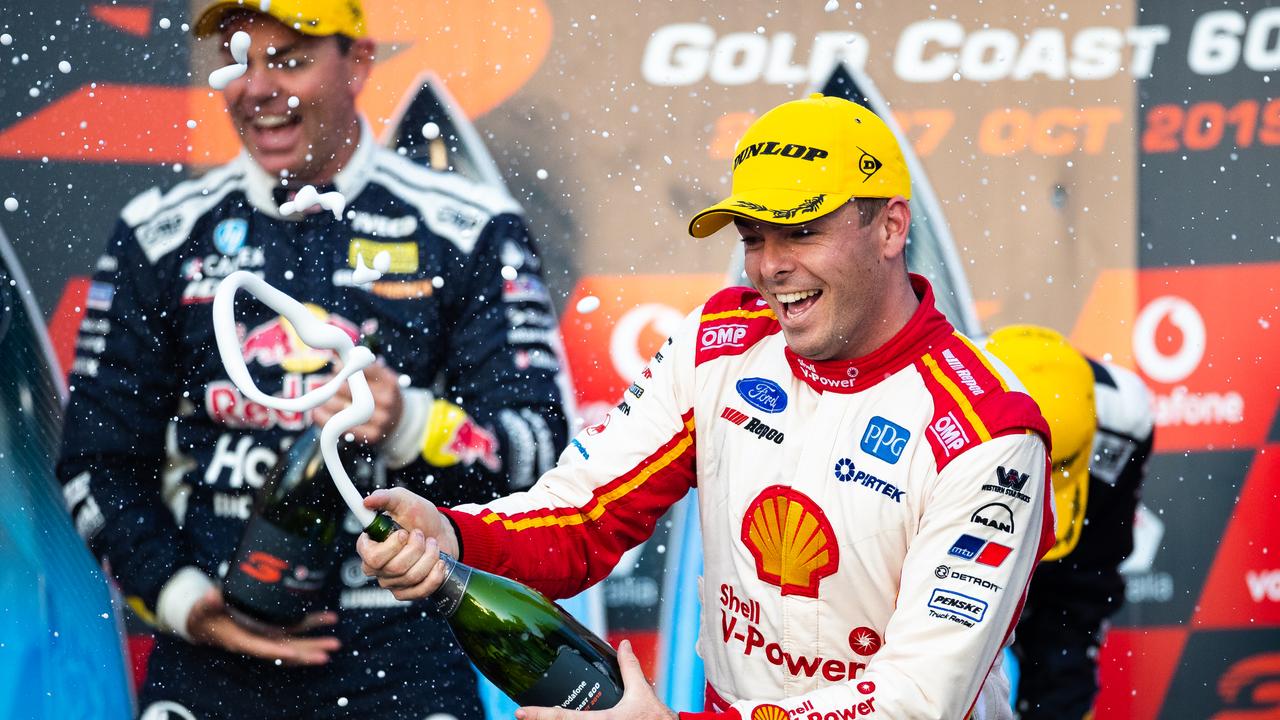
(791, 540)
(768, 712)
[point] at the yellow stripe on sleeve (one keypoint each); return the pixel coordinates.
(744, 314)
(956, 394)
(603, 501)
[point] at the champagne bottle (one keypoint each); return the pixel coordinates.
(525, 644)
(286, 553)
(528, 646)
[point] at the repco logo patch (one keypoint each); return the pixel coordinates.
(751, 425)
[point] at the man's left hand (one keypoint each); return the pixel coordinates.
(639, 701)
(388, 405)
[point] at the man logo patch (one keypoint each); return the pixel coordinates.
(884, 439)
(230, 234)
(996, 516)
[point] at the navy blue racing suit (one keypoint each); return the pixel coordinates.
(162, 455)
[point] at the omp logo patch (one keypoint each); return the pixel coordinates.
(728, 335)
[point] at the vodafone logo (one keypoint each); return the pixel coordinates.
(624, 343)
(1169, 343)
(1173, 366)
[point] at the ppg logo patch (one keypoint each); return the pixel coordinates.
(885, 439)
(762, 394)
(229, 235)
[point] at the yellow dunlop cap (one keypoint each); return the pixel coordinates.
(1060, 380)
(312, 17)
(806, 158)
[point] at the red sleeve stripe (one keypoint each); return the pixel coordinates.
(666, 457)
(957, 395)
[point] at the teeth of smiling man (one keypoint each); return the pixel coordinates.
(795, 296)
(271, 121)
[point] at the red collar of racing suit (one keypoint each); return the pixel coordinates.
(926, 327)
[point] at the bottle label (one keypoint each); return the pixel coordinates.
(574, 683)
(275, 576)
(449, 595)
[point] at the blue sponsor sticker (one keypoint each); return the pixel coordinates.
(762, 394)
(230, 234)
(967, 547)
(885, 439)
(950, 601)
(578, 446)
(100, 296)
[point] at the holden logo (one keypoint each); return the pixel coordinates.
(1147, 328)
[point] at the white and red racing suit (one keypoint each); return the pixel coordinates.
(869, 526)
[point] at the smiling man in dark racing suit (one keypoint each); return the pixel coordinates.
(162, 454)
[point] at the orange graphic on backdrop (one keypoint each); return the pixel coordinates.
(484, 52)
(791, 540)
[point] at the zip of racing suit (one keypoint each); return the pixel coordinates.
(147, 376)
(869, 526)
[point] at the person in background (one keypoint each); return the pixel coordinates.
(162, 454)
(872, 486)
(1103, 429)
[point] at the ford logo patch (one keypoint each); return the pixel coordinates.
(761, 394)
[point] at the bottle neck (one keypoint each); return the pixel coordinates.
(448, 596)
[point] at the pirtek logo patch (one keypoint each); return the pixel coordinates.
(771, 147)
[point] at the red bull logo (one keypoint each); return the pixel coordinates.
(471, 443)
(276, 343)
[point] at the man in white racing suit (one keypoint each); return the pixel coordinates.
(872, 486)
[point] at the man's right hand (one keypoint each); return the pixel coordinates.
(210, 624)
(407, 563)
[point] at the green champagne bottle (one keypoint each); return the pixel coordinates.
(287, 553)
(528, 646)
(524, 643)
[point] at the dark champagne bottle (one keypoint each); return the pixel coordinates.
(528, 646)
(525, 644)
(287, 553)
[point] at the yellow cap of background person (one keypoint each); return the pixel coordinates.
(806, 158)
(312, 17)
(1060, 380)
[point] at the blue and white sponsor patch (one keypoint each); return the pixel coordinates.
(966, 547)
(100, 296)
(762, 394)
(230, 234)
(950, 601)
(885, 439)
